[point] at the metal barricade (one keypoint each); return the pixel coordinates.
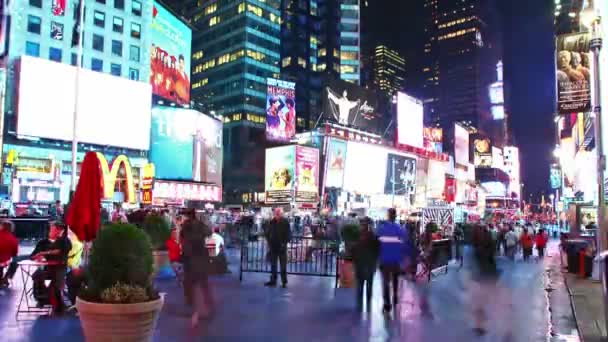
(306, 256)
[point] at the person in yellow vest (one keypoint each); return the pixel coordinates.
(75, 275)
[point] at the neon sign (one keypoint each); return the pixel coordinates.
(110, 176)
(187, 191)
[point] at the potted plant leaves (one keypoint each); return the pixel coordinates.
(119, 302)
(159, 231)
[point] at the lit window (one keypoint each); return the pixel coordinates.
(302, 62)
(322, 52)
(33, 24)
(286, 62)
(353, 56)
(99, 19)
(211, 9)
(214, 21)
(135, 30)
(255, 10)
(241, 7)
(117, 24)
(136, 7)
(322, 67)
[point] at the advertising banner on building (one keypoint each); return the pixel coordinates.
(573, 73)
(307, 174)
(280, 174)
(482, 153)
(170, 56)
(351, 105)
(555, 178)
(410, 127)
(433, 139)
(461, 145)
(186, 145)
(400, 176)
(365, 171)
(336, 161)
(280, 110)
(170, 192)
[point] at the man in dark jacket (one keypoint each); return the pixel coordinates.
(278, 235)
(365, 258)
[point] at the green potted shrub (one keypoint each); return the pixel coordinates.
(159, 231)
(119, 302)
(350, 234)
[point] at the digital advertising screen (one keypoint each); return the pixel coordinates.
(280, 110)
(400, 175)
(410, 126)
(336, 162)
(186, 145)
(280, 174)
(112, 111)
(170, 56)
(573, 73)
(482, 153)
(307, 174)
(365, 171)
(461, 145)
(433, 139)
(351, 105)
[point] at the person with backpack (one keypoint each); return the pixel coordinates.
(541, 242)
(392, 239)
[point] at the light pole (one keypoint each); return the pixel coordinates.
(591, 18)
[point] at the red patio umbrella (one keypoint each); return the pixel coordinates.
(84, 213)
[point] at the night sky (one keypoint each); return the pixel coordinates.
(528, 71)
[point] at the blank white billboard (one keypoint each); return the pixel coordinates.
(112, 110)
(461, 148)
(410, 125)
(365, 170)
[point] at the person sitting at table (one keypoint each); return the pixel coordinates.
(75, 276)
(53, 252)
(9, 248)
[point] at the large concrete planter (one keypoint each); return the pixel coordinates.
(161, 266)
(119, 322)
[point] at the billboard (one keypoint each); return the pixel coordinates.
(307, 174)
(170, 56)
(186, 145)
(350, 105)
(410, 127)
(400, 176)
(365, 168)
(280, 174)
(280, 110)
(336, 161)
(170, 192)
(498, 159)
(573, 73)
(555, 178)
(112, 111)
(461, 145)
(433, 139)
(482, 150)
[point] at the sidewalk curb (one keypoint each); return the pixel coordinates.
(578, 328)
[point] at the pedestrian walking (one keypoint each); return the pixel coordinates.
(511, 243)
(485, 274)
(527, 243)
(196, 267)
(494, 236)
(458, 242)
(541, 242)
(365, 257)
(278, 235)
(391, 256)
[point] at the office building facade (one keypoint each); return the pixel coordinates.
(388, 70)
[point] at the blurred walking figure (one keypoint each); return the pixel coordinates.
(485, 273)
(365, 257)
(278, 235)
(196, 266)
(511, 243)
(391, 256)
(458, 242)
(527, 243)
(541, 242)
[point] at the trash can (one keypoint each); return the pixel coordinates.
(573, 248)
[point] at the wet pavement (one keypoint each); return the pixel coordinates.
(529, 302)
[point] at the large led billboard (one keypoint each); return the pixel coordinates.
(573, 73)
(461, 145)
(433, 139)
(336, 162)
(170, 56)
(400, 176)
(186, 145)
(307, 174)
(351, 105)
(365, 170)
(410, 126)
(280, 110)
(112, 111)
(482, 153)
(280, 174)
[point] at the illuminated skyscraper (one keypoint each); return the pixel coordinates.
(389, 69)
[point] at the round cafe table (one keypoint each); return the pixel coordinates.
(27, 303)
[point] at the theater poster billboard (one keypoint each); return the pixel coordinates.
(307, 174)
(400, 176)
(482, 153)
(280, 174)
(170, 56)
(433, 139)
(336, 161)
(573, 73)
(280, 110)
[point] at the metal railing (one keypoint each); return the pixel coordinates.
(305, 256)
